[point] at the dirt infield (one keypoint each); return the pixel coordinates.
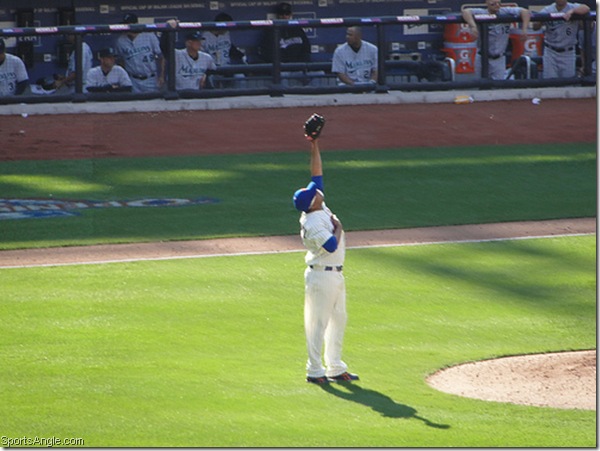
(236, 246)
(348, 127)
(565, 380)
(278, 130)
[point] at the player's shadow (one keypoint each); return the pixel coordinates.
(378, 402)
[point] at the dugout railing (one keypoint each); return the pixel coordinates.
(278, 78)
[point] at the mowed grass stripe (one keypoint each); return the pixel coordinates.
(211, 352)
(368, 189)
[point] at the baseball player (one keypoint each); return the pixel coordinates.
(498, 33)
(325, 290)
(355, 62)
(13, 74)
(69, 79)
(294, 46)
(107, 77)
(218, 44)
(141, 57)
(191, 64)
(560, 39)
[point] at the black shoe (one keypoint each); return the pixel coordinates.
(317, 380)
(344, 377)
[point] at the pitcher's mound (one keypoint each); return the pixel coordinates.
(565, 380)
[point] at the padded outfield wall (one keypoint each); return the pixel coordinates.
(408, 41)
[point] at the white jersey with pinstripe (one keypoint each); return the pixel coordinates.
(317, 228)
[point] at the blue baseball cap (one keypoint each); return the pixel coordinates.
(304, 197)
(194, 36)
(108, 51)
(130, 18)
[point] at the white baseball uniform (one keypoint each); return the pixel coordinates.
(139, 56)
(325, 294)
(560, 40)
(87, 63)
(188, 71)
(356, 65)
(498, 34)
(12, 71)
(96, 78)
(218, 47)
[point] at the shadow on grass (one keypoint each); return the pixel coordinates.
(378, 402)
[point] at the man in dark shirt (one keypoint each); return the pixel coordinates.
(293, 43)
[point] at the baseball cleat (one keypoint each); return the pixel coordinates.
(344, 377)
(317, 380)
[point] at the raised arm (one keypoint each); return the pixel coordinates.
(316, 165)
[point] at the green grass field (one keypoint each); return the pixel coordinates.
(210, 352)
(370, 189)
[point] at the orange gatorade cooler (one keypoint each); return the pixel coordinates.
(464, 55)
(532, 46)
(458, 33)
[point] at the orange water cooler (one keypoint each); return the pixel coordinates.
(532, 46)
(460, 45)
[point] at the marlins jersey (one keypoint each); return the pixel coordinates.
(498, 33)
(317, 228)
(294, 45)
(96, 78)
(356, 65)
(218, 47)
(12, 71)
(139, 55)
(87, 61)
(189, 72)
(560, 33)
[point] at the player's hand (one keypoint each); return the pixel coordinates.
(474, 31)
(523, 36)
(336, 222)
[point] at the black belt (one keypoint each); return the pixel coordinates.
(142, 77)
(559, 50)
(328, 268)
(494, 57)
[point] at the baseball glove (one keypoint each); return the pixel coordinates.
(313, 126)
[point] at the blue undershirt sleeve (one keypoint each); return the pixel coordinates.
(318, 179)
(331, 244)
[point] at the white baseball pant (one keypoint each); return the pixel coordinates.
(558, 64)
(496, 67)
(324, 321)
